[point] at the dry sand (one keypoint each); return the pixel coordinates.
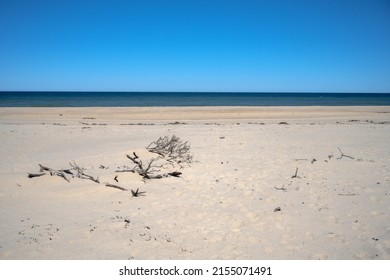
(223, 206)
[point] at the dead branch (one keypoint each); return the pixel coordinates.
(343, 155)
(296, 173)
(81, 174)
(44, 168)
(137, 193)
(60, 173)
(136, 161)
(115, 187)
(175, 174)
(150, 168)
(283, 188)
(125, 170)
(145, 172)
(32, 175)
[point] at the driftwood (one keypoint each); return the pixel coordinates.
(32, 175)
(147, 172)
(115, 187)
(60, 173)
(175, 174)
(81, 174)
(125, 170)
(63, 172)
(144, 171)
(171, 150)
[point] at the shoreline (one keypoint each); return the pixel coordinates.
(191, 113)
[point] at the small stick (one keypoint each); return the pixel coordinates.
(125, 170)
(32, 175)
(81, 174)
(175, 174)
(137, 193)
(296, 173)
(347, 194)
(44, 168)
(115, 187)
(343, 155)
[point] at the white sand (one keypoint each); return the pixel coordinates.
(223, 205)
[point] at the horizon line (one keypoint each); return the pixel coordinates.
(119, 91)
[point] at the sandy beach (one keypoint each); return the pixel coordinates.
(264, 183)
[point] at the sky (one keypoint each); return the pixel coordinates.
(195, 45)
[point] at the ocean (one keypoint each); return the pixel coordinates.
(164, 99)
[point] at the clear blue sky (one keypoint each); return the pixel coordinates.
(195, 45)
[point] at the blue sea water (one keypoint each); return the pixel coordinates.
(163, 99)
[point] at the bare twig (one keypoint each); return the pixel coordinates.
(115, 187)
(32, 175)
(296, 173)
(137, 193)
(174, 174)
(60, 173)
(44, 168)
(81, 174)
(125, 170)
(136, 161)
(343, 155)
(145, 172)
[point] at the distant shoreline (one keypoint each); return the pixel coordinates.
(125, 114)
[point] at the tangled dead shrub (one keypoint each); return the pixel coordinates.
(172, 148)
